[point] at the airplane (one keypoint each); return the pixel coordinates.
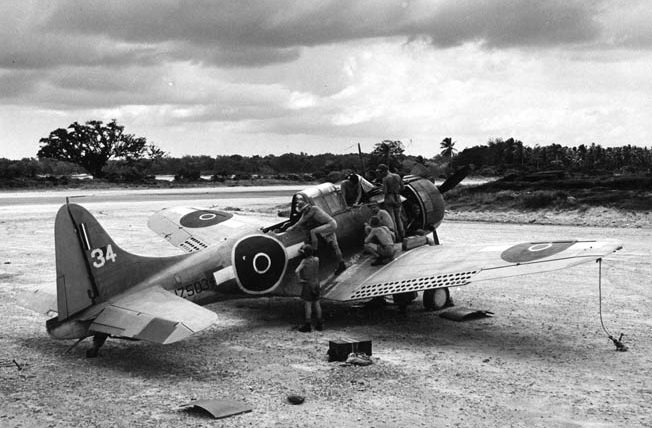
(104, 291)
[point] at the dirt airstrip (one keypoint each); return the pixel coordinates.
(542, 360)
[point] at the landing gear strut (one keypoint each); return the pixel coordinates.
(404, 299)
(436, 299)
(98, 341)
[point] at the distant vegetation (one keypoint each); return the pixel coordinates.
(510, 158)
(499, 157)
(94, 143)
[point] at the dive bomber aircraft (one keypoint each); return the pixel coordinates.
(105, 291)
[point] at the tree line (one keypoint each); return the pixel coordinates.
(107, 152)
(499, 156)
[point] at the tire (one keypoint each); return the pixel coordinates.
(436, 299)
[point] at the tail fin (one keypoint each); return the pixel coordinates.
(91, 268)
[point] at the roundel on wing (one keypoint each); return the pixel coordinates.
(531, 251)
(259, 262)
(204, 218)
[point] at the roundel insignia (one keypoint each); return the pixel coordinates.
(204, 218)
(259, 262)
(531, 251)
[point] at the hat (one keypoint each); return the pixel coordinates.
(382, 167)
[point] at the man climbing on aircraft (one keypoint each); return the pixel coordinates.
(326, 227)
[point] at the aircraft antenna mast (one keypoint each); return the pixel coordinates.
(364, 172)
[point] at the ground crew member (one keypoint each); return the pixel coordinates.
(383, 216)
(351, 190)
(326, 227)
(379, 242)
(308, 273)
(392, 187)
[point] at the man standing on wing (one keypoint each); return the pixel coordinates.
(392, 187)
(326, 227)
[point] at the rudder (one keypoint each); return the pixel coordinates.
(91, 268)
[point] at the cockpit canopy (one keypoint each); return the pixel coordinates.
(326, 196)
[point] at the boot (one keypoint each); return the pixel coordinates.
(319, 325)
(305, 328)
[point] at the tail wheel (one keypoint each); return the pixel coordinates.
(436, 299)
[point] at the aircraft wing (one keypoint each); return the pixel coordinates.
(193, 229)
(438, 266)
(153, 314)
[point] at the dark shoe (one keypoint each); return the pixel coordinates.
(319, 325)
(380, 261)
(305, 328)
(340, 268)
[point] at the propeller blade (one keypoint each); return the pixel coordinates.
(454, 179)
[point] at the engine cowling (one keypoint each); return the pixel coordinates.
(425, 204)
(259, 263)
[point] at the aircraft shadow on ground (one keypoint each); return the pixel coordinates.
(183, 360)
(417, 328)
(204, 355)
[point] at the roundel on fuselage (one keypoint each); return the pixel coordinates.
(259, 262)
(204, 218)
(531, 251)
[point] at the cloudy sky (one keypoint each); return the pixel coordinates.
(254, 77)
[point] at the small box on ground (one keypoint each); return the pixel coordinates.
(339, 349)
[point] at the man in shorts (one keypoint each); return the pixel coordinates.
(308, 273)
(379, 242)
(392, 188)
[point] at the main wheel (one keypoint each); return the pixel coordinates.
(436, 299)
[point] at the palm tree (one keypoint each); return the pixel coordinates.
(448, 149)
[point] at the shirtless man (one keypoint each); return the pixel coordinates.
(392, 187)
(379, 242)
(383, 216)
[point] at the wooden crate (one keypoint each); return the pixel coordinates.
(339, 349)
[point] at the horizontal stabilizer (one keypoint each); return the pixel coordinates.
(154, 315)
(193, 229)
(39, 301)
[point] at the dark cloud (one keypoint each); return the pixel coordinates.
(509, 23)
(251, 32)
(35, 51)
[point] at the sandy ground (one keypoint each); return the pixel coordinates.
(542, 360)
